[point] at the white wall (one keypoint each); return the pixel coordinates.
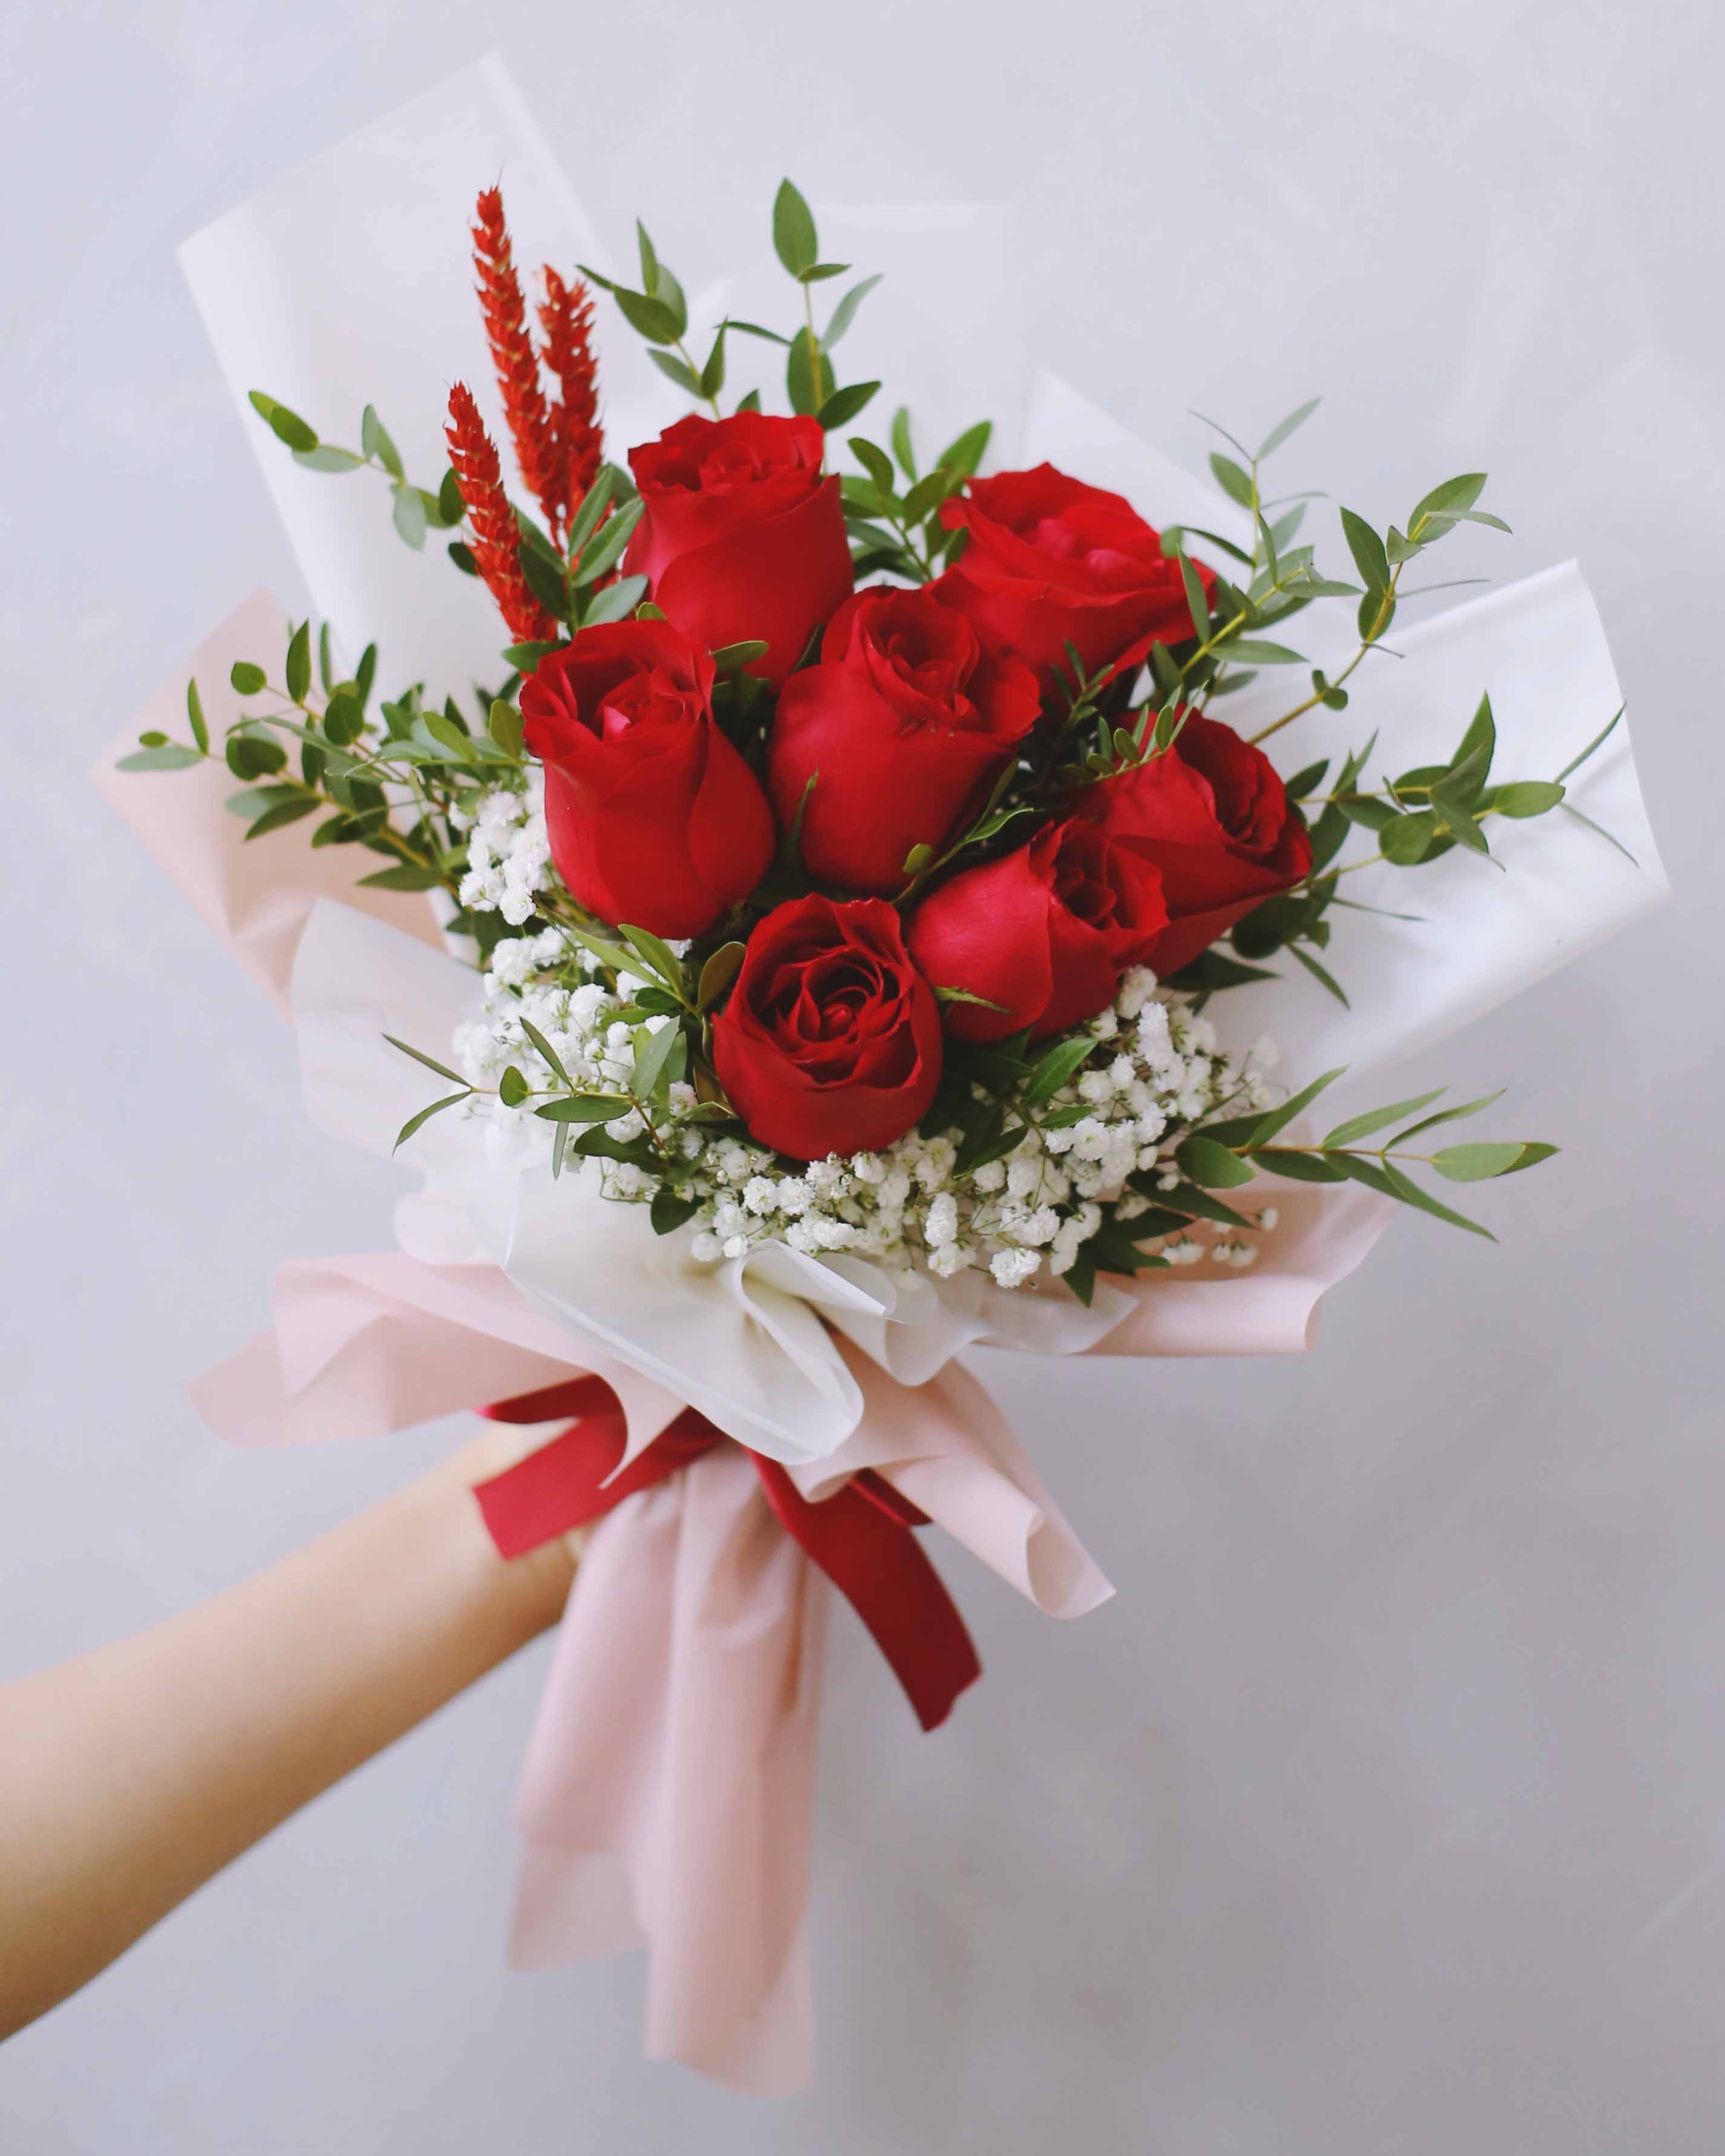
(1385, 1807)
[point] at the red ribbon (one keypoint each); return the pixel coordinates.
(861, 1536)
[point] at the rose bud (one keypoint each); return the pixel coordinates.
(1213, 817)
(903, 725)
(741, 537)
(829, 1042)
(654, 818)
(1051, 562)
(1044, 933)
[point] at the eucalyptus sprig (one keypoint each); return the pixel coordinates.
(415, 509)
(1226, 1155)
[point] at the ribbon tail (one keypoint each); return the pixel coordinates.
(575, 1477)
(867, 1551)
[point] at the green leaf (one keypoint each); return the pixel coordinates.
(821, 272)
(1202, 1204)
(1235, 483)
(409, 512)
(173, 755)
(1451, 499)
(415, 1122)
(300, 663)
(1279, 433)
(1212, 1167)
(616, 601)
(1255, 651)
(1527, 797)
(254, 756)
(194, 713)
(1404, 841)
(652, 1052)
(845, 403)
(1447, 1115)
(1367, 549)
(1055, 1067)
(737, 657)
(607, 544)
(717, 974)
(505, 727)
(1599, 830)
(845, 312)
(524, 657)
(430, 1061)
(1598, 742)
(875, 462)
(649, 318)
(902, 448)
(1279, 1118)
(512, 1088)
(1213, 970)
(327, 458)
(283, 813)
(1405, 1189)
(1307, 781)
(803, 374)
(1300, 1168)
(595, 504)
(585, 1108)
(247, 678)
(1196, 600)
(1481, 1162)
(545, 581)
(408, 876)
(1321, 975)
(657, 955)
(1360, 1126)
(448, 734)
(793, 233)
(676, 370)
(712, 374)
(550, 1055)
(968, 451)
(669, 1212)
(286, 426)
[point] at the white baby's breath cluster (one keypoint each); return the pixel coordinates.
(509, 856)
(1154, 1071)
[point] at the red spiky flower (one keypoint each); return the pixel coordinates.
(493, 532)
(531, 424)
(566, 315)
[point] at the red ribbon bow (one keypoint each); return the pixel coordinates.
(861, 1536)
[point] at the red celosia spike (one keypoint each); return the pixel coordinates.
(494, 537)
(566, 317)
(532, 425)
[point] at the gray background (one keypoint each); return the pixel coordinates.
(1384, 1810)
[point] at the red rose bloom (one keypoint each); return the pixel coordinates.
(654, 817)
(1213, 817)
(831, 1040)
(904, 724)
(1044, 932)
(742, 537)
(1051, 562)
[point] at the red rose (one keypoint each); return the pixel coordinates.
(1051, 562)
(1213, 816)
(831, 1040)
(907, 721)
(1044, 932)
(742, 537)
(654, 817)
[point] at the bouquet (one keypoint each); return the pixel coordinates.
(813, 950)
